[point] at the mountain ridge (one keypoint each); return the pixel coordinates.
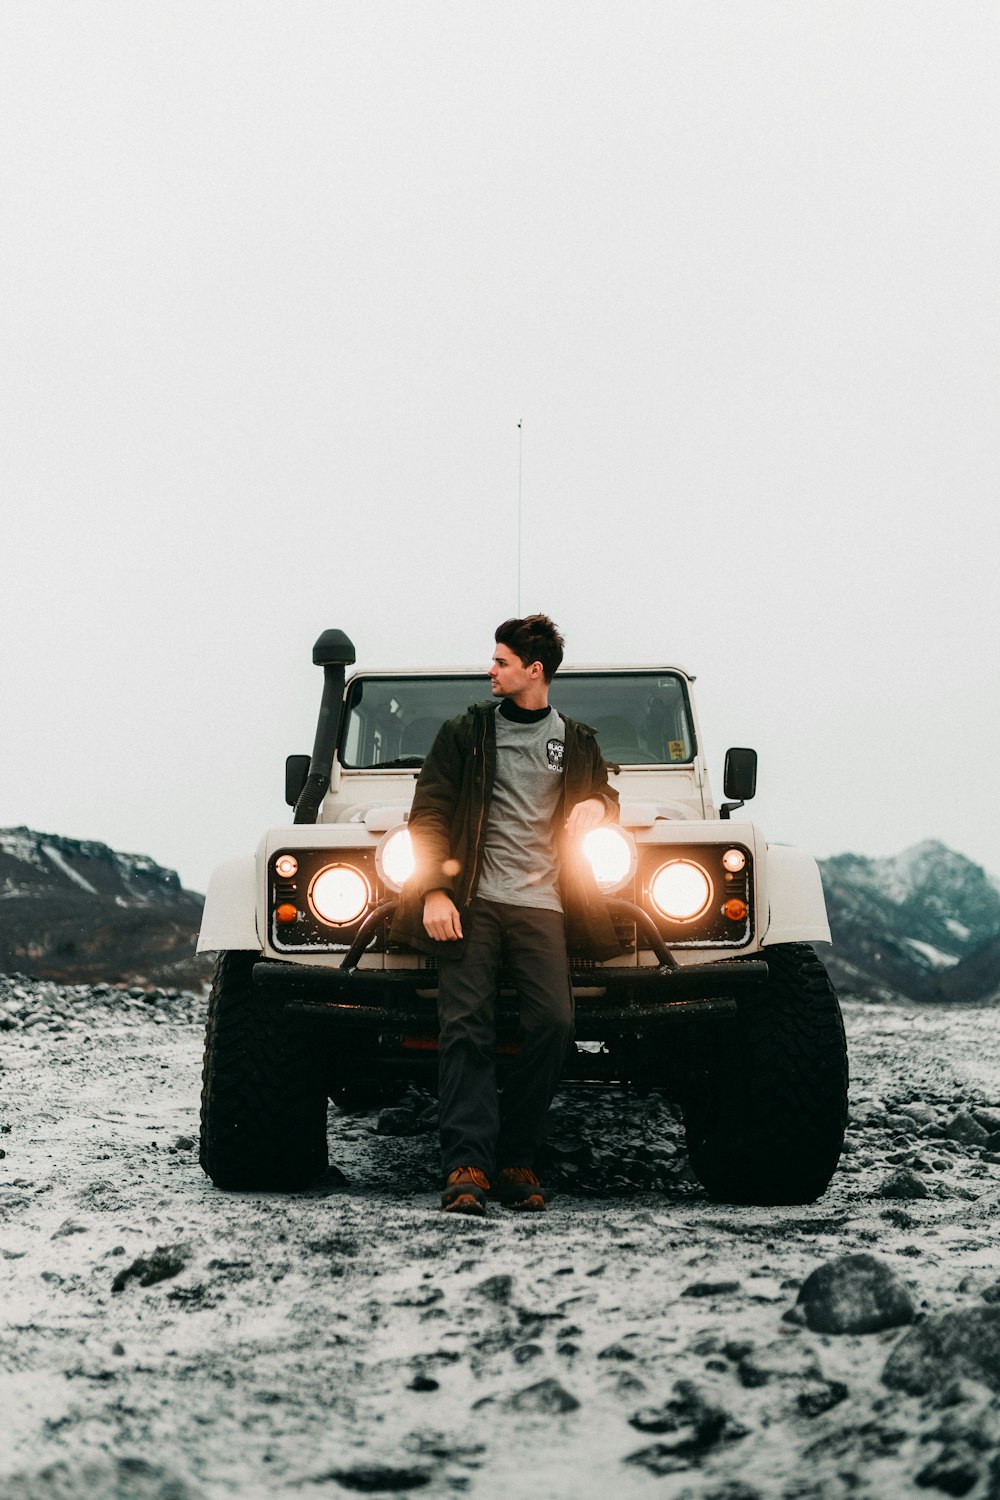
(923, 924)
(77, 910)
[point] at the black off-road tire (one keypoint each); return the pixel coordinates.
(766, 1111)
(263, 1100)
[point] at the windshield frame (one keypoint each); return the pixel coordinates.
(413, 763)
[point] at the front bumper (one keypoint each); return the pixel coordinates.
(609, 1002)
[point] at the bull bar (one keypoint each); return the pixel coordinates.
(405, 1000)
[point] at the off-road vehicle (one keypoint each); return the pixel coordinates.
(717, 997)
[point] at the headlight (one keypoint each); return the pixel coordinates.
(612, 857)
(681, 890)
(339, 894)
(394, 858)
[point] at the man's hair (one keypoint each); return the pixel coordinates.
(535, 638)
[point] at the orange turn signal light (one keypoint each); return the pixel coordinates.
(286, 912)
(735, 909)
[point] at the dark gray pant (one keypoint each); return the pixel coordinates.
(478, 1128)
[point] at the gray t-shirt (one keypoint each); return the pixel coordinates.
(520, 866)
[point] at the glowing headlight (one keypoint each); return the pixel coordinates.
(612, 857)
(339, 894)
(681, 890)
(394, 858)
(733, 860)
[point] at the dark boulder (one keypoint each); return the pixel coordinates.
(855, 1294)
(945, 1348)
(547, 1397)
(397, 1120)
(904, 1183)
(966, 1130)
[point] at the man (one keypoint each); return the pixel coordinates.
(505, 795)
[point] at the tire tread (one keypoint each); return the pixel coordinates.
(263, 1103)
(766, 1124)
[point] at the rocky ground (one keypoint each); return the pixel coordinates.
(163, 1339)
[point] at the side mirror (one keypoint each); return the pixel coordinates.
(296, 771)
(739, 779)
(740, 776)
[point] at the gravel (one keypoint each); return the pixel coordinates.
(60, 1009)
(165, 1339)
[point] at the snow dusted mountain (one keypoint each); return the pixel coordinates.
(74, 909)
(924, 924)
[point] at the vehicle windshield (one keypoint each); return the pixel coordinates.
(641, 718)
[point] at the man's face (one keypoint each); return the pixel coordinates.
(508, 674)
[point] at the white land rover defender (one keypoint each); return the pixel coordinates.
(718, 997)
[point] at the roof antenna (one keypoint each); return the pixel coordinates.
(520, 468)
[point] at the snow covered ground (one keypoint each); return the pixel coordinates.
(162, 1338)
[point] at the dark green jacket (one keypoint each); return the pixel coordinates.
(448, 818)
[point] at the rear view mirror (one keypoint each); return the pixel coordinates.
(739, 778)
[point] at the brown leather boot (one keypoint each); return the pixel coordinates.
(518, 1187)
(465, 1191)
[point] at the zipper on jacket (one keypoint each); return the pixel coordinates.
(482, 818)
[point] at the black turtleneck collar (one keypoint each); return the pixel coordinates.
(518, 715)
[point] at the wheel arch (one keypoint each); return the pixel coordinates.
(796, 905)
(229, 919)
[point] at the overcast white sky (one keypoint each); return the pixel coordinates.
(279, 280)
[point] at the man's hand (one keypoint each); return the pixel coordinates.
(585, 816)
(441, 919)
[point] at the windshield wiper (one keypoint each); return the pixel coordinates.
(398, 764)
